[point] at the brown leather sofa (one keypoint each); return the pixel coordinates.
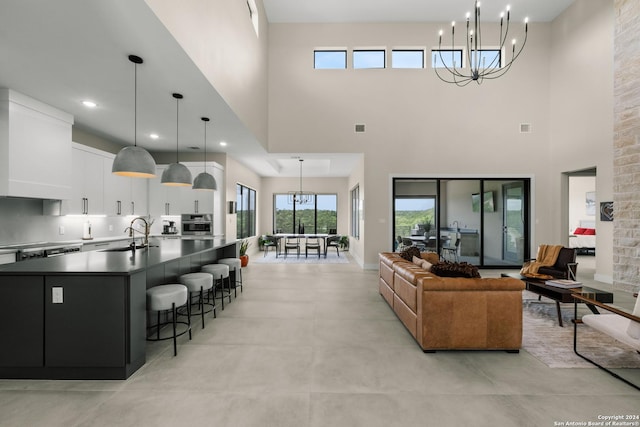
(452, 313)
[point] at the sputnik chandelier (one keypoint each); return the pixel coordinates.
(300, 197)
(490, 63)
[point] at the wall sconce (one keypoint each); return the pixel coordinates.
(232, 207)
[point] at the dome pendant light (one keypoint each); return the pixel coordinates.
(135, 162)
(205, 181)
(177, 174)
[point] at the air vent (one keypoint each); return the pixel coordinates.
(359, 128)
(525, 128)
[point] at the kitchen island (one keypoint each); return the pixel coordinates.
(83, 315)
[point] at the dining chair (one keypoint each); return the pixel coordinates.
(311, 243)
(269, 241)
(291, 243)
(332, 242)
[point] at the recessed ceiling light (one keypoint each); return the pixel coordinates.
(89, 104)
(154, 136)
(224, 144)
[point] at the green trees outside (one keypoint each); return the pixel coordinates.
(406, 220)
(327, 219)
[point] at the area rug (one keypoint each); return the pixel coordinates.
(270, 258)
(544, 339)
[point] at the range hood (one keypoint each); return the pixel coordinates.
(35, 148)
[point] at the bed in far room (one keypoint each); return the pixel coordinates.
(583, 238)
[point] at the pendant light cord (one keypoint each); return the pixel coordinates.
(177, 127)
(135, 104)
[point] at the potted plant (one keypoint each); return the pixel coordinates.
(344, 243)
(244, 258)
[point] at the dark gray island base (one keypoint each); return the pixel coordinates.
(83, 315)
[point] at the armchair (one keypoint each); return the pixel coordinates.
(565, 266)
(619, 325)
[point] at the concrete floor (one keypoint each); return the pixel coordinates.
(316, 345)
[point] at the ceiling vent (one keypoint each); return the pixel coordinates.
(525, 128)
(359, 128)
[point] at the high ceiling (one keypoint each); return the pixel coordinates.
(406, 10)
(65, 51)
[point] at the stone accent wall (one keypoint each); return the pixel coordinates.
(626, 146)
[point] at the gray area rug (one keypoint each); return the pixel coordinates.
(270, 258)
(553, 345)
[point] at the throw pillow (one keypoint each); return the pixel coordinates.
(455, 269)
(589, 231)
(410, 252)
(579, 230)
(422, 263)
(634, 327)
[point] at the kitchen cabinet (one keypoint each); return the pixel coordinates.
(123, 195)
(21, 307)
(164, 199)
(7, 258)
(88, 182)
(196, 201)
(35, 148)
(85, 322)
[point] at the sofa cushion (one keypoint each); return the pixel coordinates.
(409, 253)
(455, 269)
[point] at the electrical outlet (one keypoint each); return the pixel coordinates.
(57, 295)
(110, 227)
(61, 230)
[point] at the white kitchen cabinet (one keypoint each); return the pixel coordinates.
(35, 148)
(87, 195)
(164, 199)
(196, 201)
(123, 195)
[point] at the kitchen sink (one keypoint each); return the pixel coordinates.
(128, 248)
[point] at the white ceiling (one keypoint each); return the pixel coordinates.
(406, 10)
(65, 51)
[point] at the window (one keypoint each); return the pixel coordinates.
(319, 216)
(355, 212)
(253, 14)
(489, 58)
(368, 59)
(407, 58)
(246, 211)
(446, 58)
(329, 59)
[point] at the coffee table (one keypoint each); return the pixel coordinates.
(561, 295)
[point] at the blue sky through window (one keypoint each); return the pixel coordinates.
(330, 59)
(407, 59)
(368, 59)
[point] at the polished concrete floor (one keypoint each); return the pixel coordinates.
(316, 345)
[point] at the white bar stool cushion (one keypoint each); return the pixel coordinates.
(195, 281)
(162, 297)
(217, 270)
(231, 262)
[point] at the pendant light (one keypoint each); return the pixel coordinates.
(135, 162)
(205, 181)
(176, 174)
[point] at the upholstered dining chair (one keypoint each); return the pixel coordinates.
(291, 243)
(332, 242)
(311, 243)
(269, 241)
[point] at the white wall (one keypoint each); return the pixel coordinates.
(578, 187)
(581, 100)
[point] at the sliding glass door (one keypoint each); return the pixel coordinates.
(479, 221)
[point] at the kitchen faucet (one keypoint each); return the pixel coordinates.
(132, 230)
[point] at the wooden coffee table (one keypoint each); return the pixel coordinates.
(538, 286)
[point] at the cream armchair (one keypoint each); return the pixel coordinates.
(618, 324)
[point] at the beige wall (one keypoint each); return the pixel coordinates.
(581, 100)
(237, 173)
(220, 39)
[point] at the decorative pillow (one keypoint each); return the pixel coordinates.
(634, 327)
(579, 230)
(410, 252)
(455, 269)
(422, 263)
(589, 231)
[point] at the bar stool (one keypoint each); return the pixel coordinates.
(235, 265)
(166, 298)
(198, 283)
(219, 273)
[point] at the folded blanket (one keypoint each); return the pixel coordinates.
(547, 256)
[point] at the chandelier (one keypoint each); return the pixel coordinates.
(490, 63)
(300, 197)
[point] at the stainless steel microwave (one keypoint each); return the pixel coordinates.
(197, 224)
